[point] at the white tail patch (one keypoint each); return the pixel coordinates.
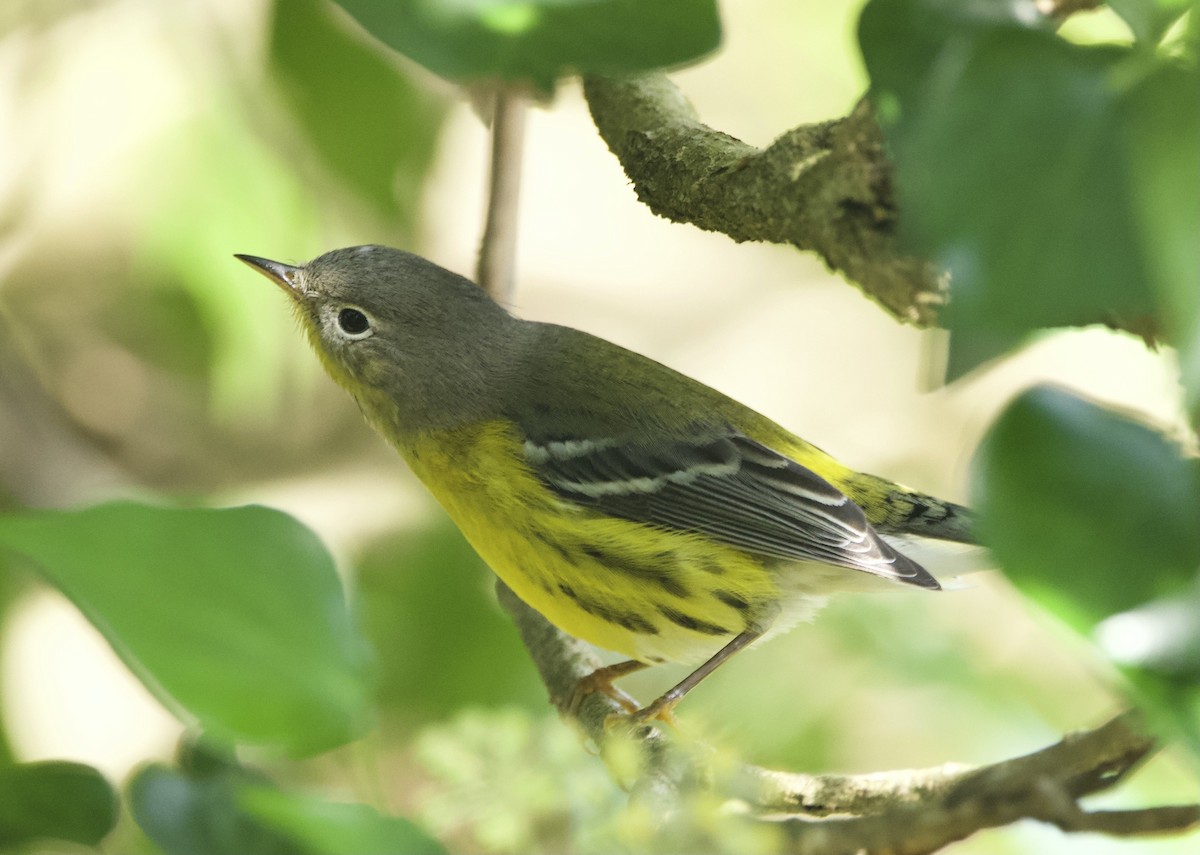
(946, 561)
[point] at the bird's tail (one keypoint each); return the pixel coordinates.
(899, 511)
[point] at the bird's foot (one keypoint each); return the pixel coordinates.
(661, 710)
(601, 681)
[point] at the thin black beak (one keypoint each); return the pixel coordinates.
(283, 275)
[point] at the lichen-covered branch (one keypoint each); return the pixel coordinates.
(825, 187)
(1081, 764)
(905, 812)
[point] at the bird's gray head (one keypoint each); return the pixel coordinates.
(397, 331)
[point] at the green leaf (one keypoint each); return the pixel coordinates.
(1173, 705)
(1164, 141)
(541, 40)
(901, 39)
(234, 617)
(1089, 512)
(1014, 166)
(336, 828)
(372, 127)
(216, 806)
(1162, 636)
(187, 815)
(440, 670)
(968, 349)
(1157, 646)
(55, 800)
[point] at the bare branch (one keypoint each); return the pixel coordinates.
(498, 248)
(825, 187)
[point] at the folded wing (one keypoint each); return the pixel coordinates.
(726, 486)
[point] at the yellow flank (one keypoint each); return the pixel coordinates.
(649, 593)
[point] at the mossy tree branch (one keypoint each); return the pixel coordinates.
(825, 187)
(904, 812)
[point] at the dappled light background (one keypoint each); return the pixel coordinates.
(146, 142)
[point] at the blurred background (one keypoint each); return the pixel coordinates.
(144, 143)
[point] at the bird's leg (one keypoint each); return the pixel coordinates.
(601, 680)
(662, 708)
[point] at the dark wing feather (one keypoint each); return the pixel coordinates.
(729, 487)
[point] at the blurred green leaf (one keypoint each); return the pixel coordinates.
(217, 806)
(1161, 636)
(1089, 512)
(213, 189)
(371, 126)
(336, 828)
(236, 616)
(1015, 165)
(1157, 646)
(969, 349)
(541, 40)
(1097, 518)
(55, 800)
(200, 756)
(1172, 702)
(901, 40)
(426, 602)
(200, 815)
(1164, 141)
(1149, 20)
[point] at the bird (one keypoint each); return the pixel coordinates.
(632, 506)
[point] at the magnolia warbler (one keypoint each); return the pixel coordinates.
(632, 506)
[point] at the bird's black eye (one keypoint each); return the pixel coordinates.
(353, 322)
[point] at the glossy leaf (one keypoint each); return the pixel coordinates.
(1088, 511)
(541, 40)
(234, 617)
(55, 800)
(1015, 163)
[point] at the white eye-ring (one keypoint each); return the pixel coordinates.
(353, 323)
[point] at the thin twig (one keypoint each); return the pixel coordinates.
(498, 247)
